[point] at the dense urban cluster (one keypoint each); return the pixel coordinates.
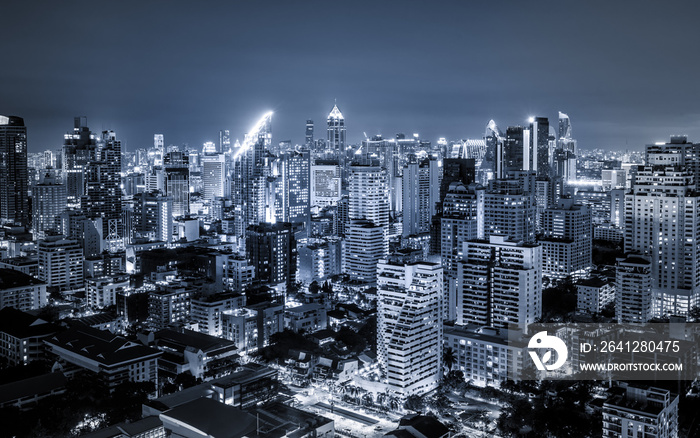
(260, 288)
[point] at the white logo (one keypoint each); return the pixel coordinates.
(542, 340)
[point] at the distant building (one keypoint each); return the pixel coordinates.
(169, 305)
(207, 311)
(14, 177)
(48, 202)
(193, 352)
(641, 411)
(272, 250)
(566, 240)
(250, 385)
(365, 245)
(102, 292)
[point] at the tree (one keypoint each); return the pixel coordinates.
(448, 358)
(415, 403)
(694, 313)
(313, 287)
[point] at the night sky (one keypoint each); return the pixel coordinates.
(626, 72)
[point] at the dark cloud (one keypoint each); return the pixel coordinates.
(624, 71)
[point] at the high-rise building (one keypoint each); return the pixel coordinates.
(564, 159)
(14, 179)
(309, 137)
(298, 175)
(539, 139)
(420, 196)
(153, 216)
(409, 325)
(641, 411)
(224, 141)
(369, 194)
(177, 181)
(78, 149)
(214, 176)
(633, 290)
(566, 240)
(336, 132)
(272, 250)
(662, 222)
(61, 263)
(499, 282)
(48, 202)
(509, 208)
(325, 184)
(103, 194)
(365, 245)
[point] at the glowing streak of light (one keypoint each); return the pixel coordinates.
(252, 137)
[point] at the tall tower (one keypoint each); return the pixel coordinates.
(662, 222)
(103, 196)
(78, 149)
(14, 178)
(409, 325)
(539, 141)
(48, 202)
(309, 138)
(419, 196)
(336, 132)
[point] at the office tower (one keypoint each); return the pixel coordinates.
(214, 176)
(14, 179)
(459, 222)
(159, 146)
(641, 411)
(224, 141)
(78, 149)
(499, 282)
(565, 152)
(420, 195)
(48, 202)
(88, 232)
(566, 240)
(409, 325)
(677, 152)
(272, 249)
(548, 191)
(633, 289)
(365, 245)
(251, 173)
(325, 184)
(662, 222)
(492, 162)
(513, 156)
(103, 195)
(61, 263)
(539, 141)
(336, 132)
(298, 174)
(453, 170)
(509, 208)
(309, 137)
(169, 304)
(177, 181)
(369, 194)
(152, 217)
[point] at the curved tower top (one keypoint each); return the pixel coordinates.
(335, 114)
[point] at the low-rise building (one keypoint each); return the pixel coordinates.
(307, 317)
(593, 294)
(641, 411)
(250, 385)
(27, 392)
(194, 352)
(22, 336)
(21, 291)
(485, 355)
(113, 358)
(207, 311)
(102, 291)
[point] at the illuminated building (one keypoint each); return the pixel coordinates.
(409, 325)
(153, 217)
(420, 188)
(499, 282)
(102, 292)
(78, 149)
(272, 250)
(177, 181)
(214, 176)
(309, 136)
(48, 202)
(633, 290)
(365, 245)
(336, 132)
(641, 411)
(21, 291)
(662, 222)
(61, 263)
(566, 240)
(325, 185)
(14, 179)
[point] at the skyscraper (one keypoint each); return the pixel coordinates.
(177, 181)
(633, 290)
(103, 196)
(309, 137)
(509, 208)
(420, 196)
(662, 222)
(566, 240)
(48, 202)
(539, 139)
(409, 325)
(214, 176)
(14, 179)
(272, 249)
(336, 132)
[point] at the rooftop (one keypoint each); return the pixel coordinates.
(23, 325)
(189, 338)
(28, 387)
(9, 279)
(210, 418)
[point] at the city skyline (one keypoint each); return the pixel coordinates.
(441, 71)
